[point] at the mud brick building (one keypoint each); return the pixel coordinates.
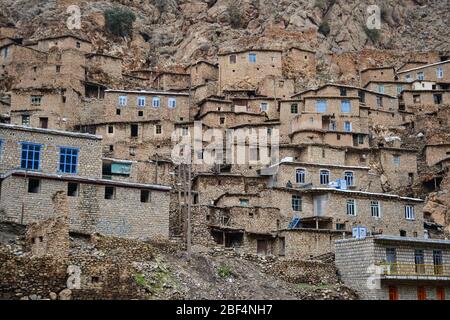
(38, 163)
(395, 268)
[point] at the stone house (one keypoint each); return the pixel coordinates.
(423, 101)
(36, 164)
(203, 72)
(437, 72)
(299, 62)
(386, 267)
(276, 87)
(436, 152)
(377, 74)
(15, 59)
(246, 69)
(176, 81)
(106, 63)
(391, 88)
(62, 42)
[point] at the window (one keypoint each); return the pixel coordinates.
(396, 160)
(111, 129)
(132, 151)
(184, 131)
(110, 193)
(440, 293)
(34, 185)
(345, 106)
(360, 138)
(409, 212)
(437, 98)
(172, 103)
(252, 57)
(145, 196)
(5, 52)
(347, 126)
(78, 44)
(437, 262)
(420, 76)
(333, 125)
(348, 176)
(122, 100)
(43, 122)
(362, 96)
(222, 120)
(294, 108)
(72, 189)
(375, 209)
(391, 256)
(321, 106)
(351, 207)
(381, 88)
(140, 113)
(343, 92)
(158, 129)
(324, 177)
(141, 101)
(134, 130)
(300, 175)
(58, 69)
(233, 59)
(264, 106)
(296, 203)
(440, 73)
(408, 78)
(68, 160)
(340, 226)
(421, 293)
(379, 101)
(156, 102)
(402, 233)
(31, 154)
(393, 293)
(118, 112)
(416, 98)
(243, 202)
(36, 100)
(419, 261)
(26, 120)
(399, 88)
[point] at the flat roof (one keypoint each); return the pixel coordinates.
(152, 92)
(382, 237)
(425, 66)
(101, 181)
(225, 53)
(50, 131)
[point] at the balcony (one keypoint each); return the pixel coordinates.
(415, 271)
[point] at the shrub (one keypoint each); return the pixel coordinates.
(324, 28)
(119, 21)
(224, 271)
(235, 15)
(321, 4)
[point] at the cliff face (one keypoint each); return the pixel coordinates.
(168, 32)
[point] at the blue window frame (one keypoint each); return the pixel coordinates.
(420, 76)
(347, 126)
(399, 88)
(31, 156)
(1, 145)
(252, 57)
(381, 88)
(345, 106)
(68, 160)
(321, 106)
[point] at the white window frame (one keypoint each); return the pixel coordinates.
(264, 106)
(375, 209)
(349, 126)
(156, 102)
(141, 101)
(409, 212)
(300, 172)
(350, 174)
(122, 101)
(172, 103)
(440, 72)
(351, 207)
(324, 173)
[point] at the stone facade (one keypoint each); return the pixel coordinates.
(391, 268)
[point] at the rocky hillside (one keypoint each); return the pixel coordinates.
(168, 32)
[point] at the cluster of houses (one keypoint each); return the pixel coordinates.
(72, 119)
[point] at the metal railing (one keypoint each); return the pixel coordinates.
(411, 269)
